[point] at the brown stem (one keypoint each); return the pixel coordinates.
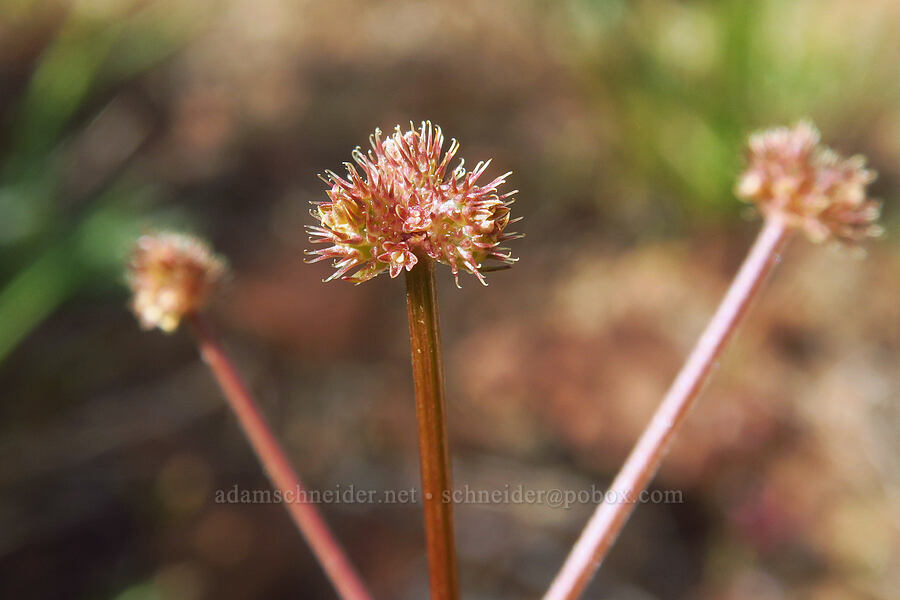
(425, 341)
(641, 465)
(307, 518)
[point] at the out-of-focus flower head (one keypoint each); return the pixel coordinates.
(171, 275)
(406, 204)
(792, 176)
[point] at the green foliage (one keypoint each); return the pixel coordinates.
(680, 84)
(52, 249)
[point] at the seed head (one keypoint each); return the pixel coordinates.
(171, 275)
(791, 175)
(406, 205)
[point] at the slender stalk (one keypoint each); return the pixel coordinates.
(425, 341)
(644, 460)
(306, 516)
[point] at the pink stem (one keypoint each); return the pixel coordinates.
(307, 518)
(610, 517)
(431, 414)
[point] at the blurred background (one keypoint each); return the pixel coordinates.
(624, 123)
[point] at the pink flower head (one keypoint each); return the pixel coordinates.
(171, 275)
(792, 176)
(406, 205)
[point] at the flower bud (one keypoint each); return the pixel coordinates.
(405, 205)
(792, 176)
(171, 275)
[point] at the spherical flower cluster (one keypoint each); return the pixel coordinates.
(171, 275)
(792, 176)
(406, 205)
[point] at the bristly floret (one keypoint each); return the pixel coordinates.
(400, 202)
(171, 276)
(792, 176)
